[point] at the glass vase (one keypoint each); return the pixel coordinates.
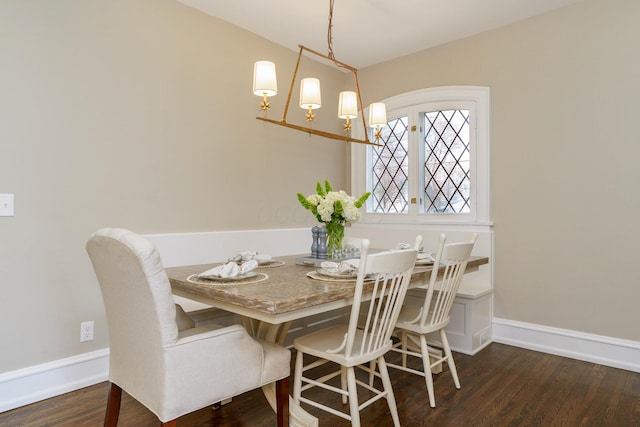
(335, 234)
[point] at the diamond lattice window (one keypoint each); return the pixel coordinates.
(432, 166)
(390, 192)
(447, 162)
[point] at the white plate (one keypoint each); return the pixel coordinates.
(243, 276)
(328, 273)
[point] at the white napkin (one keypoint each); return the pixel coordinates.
(405, 246)
(230, 269)
(244, 256)
(422, 256)
(248, 266)
(263, 258)
(349, 266)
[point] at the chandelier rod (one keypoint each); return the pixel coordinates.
(329, 35)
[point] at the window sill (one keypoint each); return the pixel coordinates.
(424, 223)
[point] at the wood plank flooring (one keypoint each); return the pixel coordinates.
(501, 386)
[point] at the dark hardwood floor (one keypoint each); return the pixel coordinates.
(501, 386)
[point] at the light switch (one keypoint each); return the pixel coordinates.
(6, 204)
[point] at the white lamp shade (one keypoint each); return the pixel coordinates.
(264, 78)
(310, 93)
(348, 105)
(377, 114)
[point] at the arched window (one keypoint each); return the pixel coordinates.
(432, 164)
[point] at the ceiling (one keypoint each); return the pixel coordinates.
(367, 32)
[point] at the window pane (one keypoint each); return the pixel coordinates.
(447, 161)
(390, 185)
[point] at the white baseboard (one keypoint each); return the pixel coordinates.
(32, 384)
(35, 383)
(603, 350)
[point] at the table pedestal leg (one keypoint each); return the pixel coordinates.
(298, 417)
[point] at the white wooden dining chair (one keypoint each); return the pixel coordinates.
(416, 322)
(384, 278)
(157, 354)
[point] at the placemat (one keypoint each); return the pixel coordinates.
(273, 263)
(259, 277)
(317, 276)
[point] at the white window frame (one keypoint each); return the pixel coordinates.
(474, 98)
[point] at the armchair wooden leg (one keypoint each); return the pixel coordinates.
(282, 402)
(113, 405)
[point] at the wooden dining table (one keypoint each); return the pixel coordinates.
(278, 294)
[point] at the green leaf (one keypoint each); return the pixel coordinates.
(358, 203)
(338, 209)
(303, 201)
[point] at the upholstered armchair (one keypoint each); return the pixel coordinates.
(156, 353)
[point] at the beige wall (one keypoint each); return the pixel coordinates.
(565, 91)
(139, 114)
(135, 114)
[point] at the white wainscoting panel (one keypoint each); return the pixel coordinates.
(217, 246)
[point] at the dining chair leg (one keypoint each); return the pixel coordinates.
(113, 405)
(404, 340)
(372, 370)
(450, 362)
(386, 382)
(353, 397)
(426, 363)
(282, 402)
(343, 383)
(297, 377)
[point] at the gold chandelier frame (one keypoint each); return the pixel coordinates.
(331, 58)
(283, 121)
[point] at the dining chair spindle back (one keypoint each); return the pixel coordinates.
(416, 322)
(382, 282)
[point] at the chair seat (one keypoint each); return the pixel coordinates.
(320, 343)
(408, 314)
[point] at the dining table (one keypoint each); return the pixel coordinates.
(279, 292)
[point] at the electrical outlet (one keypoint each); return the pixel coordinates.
(86, 331)
(6, 205)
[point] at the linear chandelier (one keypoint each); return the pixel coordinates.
(265, 85)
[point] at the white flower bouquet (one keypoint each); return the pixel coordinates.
(334, 209)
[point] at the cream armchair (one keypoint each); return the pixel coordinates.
(157, 355)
